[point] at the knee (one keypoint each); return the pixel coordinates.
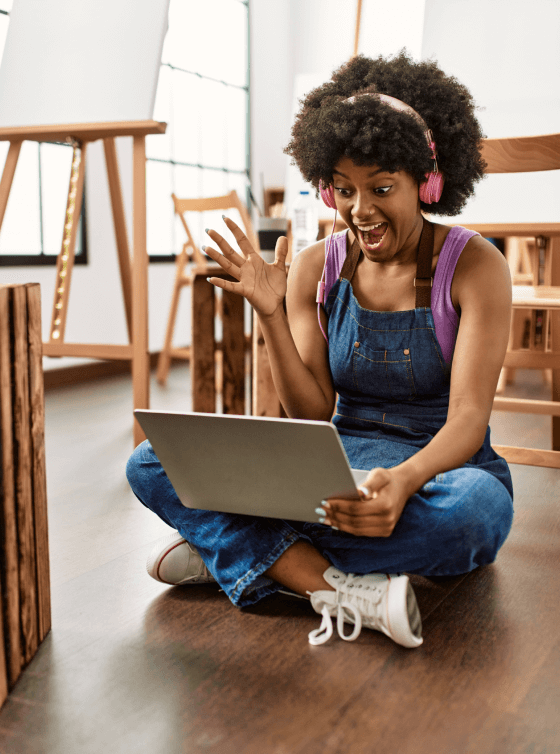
(481, 519)
(134, 465)
(142, 472)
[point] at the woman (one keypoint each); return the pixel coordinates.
(411, 332)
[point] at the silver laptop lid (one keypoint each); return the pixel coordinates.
(261, 466)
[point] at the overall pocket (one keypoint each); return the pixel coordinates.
(385, 374)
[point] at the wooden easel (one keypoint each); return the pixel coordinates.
(133, 273)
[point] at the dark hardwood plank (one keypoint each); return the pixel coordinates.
(233, 353)
(23, 478)
(37, 406)
(8, 529)
(202, 348)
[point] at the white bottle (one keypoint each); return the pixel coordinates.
(305, 222)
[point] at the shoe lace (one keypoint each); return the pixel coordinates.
(368, 602)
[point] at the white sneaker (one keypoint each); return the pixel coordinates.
(380, 601)
(174, 561)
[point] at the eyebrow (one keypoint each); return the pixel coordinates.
(370, 175)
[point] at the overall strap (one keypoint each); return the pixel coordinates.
(351, 261)
(423, 281)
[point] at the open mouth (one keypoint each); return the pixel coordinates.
(372, 236)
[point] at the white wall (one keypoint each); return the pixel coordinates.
(296, 46)
(507, 53)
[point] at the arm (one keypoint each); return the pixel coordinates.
(297, 351)
(482, 287)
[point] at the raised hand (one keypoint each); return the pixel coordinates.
(262, 284)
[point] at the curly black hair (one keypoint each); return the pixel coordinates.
(370, 132)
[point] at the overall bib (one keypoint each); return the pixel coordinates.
(393, 387)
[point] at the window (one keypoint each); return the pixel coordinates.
(203, 95)
(32, 229)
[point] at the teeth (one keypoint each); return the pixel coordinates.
(369, 227)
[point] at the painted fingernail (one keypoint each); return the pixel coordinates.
(335, 527)
(325, 503)
(322, 520)
(224, 217)
(208, 279)
(319, 511)
(207, 230)
(203, 248)
(364, 491)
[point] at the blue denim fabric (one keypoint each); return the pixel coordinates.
(393, 386)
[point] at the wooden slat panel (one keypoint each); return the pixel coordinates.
(522, 154)
(554, 252)
(10, 659)
(529, 456)
(526, 406)
(37, 404)
(531, 296)
(24, 490)
(203, 373)
(525, 359)
(89, 350)
(233, 352)
(516, 230)
(83, 131)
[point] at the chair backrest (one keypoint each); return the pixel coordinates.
(227, 201)
(522, 154)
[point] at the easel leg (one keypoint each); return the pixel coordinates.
(119, 221)
(8, 176)
(140, 357)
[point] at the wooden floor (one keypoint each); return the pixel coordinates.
(132, 666)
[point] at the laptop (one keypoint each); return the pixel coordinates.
(257, 466)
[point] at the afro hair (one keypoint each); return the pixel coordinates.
(371, 132)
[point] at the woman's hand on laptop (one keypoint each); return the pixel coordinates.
(262, 284)
(383, 497)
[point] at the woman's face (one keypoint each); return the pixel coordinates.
(381, 209)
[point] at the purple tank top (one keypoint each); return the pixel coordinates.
(445, 317)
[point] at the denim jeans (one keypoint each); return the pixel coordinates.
(454, 523)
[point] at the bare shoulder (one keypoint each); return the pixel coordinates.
(482, 271)
(306, 269)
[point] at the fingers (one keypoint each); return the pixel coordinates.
(371, 518)
(242, 240)
(234, 260)
(281, 251)
(227, 285)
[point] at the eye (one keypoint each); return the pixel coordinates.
(342, 191)
(382, 190)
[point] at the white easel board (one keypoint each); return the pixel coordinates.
(81, 62)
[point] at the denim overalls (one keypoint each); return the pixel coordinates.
(393, 386)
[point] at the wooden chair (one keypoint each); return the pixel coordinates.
(541, 299)
(190, 262)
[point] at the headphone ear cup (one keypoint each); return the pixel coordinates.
(327, 195)
(431, 189)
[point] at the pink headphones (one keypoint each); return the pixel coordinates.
(431, 188)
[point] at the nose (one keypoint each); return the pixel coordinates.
(363, 208)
